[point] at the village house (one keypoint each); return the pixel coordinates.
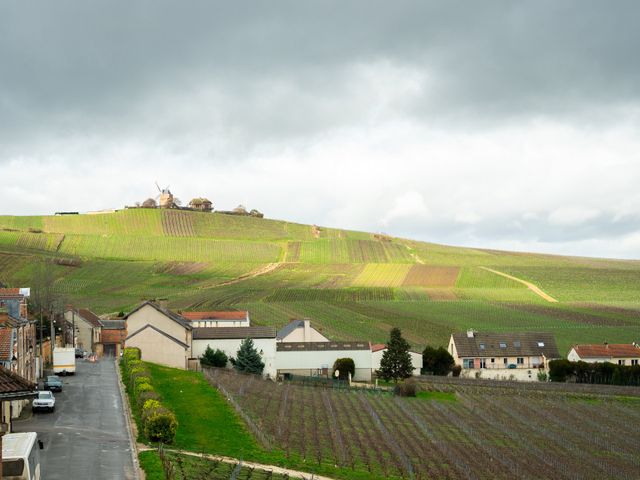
(217, 319)
(228, 339)
(112, 337)
(316, 359)
(162, 336)
(300, 331)
(503, 356)
(618, 353)
(14, 317)
(14, 390)
(87, 328)
(378, 349)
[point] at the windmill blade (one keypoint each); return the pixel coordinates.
(158, 187)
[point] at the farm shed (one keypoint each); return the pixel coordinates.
(300, 331)
(162, 336)
(218, 319)
(502, 356)
(112, 337)
(376, 356)
(228, 339)
(317, 358)
(619, 353)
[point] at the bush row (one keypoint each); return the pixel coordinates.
(602, 373)
(158, 423)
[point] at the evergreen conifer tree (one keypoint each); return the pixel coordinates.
(212, 358)
(396, 361)
(248, 359)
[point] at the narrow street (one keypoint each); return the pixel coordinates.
(87, 436)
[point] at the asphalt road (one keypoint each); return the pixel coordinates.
(87, 436)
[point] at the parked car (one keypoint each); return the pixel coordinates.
(80, 353)
(44, 401)
(53, 383)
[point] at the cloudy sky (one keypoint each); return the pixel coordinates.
(510, 125)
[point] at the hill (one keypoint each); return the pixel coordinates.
(351, 284)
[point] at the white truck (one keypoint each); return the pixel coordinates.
(21, 456)
(64, 360)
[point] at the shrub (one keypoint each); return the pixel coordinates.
(131, 353)
(542, 376)
(139, 380)
(344, 366)
(160, 425)
(456, 370)
(144, 396)
(142, 387)
(407, 388)
(214, 359)
(437, 361)
(148, 408)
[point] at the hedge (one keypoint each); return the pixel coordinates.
(600, 373)
(157, 422)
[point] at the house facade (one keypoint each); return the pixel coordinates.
(300, 331)
(228, 339)
(113, 334)
(217, 319)
(316, 359)
(619, 353)
(503, 356)
(162, 336)
(378, 350)
(87, 328)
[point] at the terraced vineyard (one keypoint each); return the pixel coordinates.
(450, 431)
(351, 284)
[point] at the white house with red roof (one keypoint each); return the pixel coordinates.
(619, 353)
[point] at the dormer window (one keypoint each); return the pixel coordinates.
(481, 346)
(517, 344)
(503, 345)
(541, 344)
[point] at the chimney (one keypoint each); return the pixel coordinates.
(471, 333)
(307, 330)
(163, 302)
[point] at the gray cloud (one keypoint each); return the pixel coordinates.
(490, 121)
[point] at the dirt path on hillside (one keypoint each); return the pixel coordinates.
(534, 288)
(269, 468)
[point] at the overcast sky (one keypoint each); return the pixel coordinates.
(511, 125)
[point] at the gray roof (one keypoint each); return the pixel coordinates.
(525, 344)
(321, 346)
(290, 327)
(211, 333)
(113, 324)
(172, 315)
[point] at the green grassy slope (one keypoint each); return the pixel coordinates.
(351, 284)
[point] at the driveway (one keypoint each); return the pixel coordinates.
(87, 436)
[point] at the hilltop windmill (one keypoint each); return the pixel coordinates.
(165, 197)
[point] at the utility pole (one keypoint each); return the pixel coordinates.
(41, 358)
(73, 331)
(53, 336)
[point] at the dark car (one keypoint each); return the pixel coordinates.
(79, 353)
(53, 383)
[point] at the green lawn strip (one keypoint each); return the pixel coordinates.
(437, 396)
(208, 424)
(152, 465)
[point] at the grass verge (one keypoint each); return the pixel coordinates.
(152, 465)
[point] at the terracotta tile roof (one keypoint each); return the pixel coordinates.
(483, 345)
(89, 316)
(376, 347)
(241, 315)
(207, 333)
(9, 291)
(13, 385)
(612, 350)
(6, 344)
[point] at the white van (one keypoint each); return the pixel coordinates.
(21, 456)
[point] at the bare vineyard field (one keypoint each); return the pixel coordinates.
(431, 276)
(491, 432)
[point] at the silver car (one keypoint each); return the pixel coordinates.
(44, 401)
